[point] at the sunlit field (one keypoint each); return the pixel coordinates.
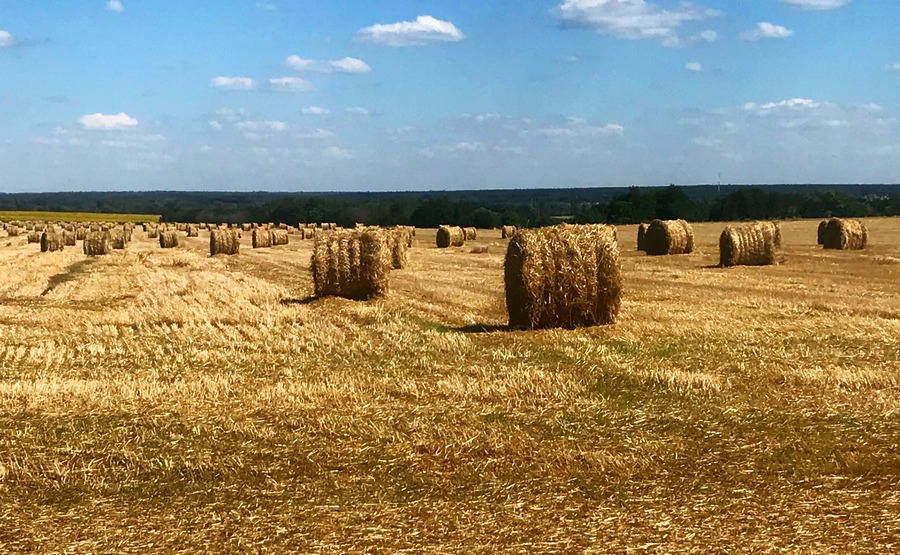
(162, 401)
(77, 217)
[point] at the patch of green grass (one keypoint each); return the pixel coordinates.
(77, 217)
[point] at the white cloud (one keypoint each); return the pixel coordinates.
(424, 30)
(357, 111)
(694, 66)
(316, 134)
(215, 125)
(291, 84)
(267, 6)
(766, 30)
(708, 36)
(233, 83)
(817, 4)
(578, 127)
(344, 65)
(782, 105)
(337, 153)
(316, 111)
(262, 125)
(115, 6)
(6, 39)
(631, 19)
(107, 122)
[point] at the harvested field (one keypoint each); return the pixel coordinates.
(165, 401)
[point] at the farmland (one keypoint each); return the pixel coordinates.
(76, 217)
(163, 401)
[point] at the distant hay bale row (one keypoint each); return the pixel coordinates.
(664, 237)
(450, 236)
(752, 244)
(563, 276)
(351, 263)
(168, 239)
(507, 231)
(51, 241)
(224, 241)
(844, 234)
(97, 243)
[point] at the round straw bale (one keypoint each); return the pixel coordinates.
(80, 233)
(224, 241)
(34, 236)
(117, 238)
(70, 239)
(747, 245)
(507, 231)
(820, 233)
(96, 243)
(563, 276)
(845, 234)
(51, 241)
(261, 238)
(168, 239)
(12, 231)
(642, 232)
(279, 237)
(351, 263)
(399, 239)
(668, 237)
(471, 234)
(193, 231)
(450, 236)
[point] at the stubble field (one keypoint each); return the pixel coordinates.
(162, 401)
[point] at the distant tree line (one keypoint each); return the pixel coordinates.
(485, 209)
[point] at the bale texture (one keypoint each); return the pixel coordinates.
(747, 245)
(117, 238)
(471, 234)
(845, 234)
(34, 236)
(12, 231)
(168, 239)
(664, 237)
(70, 239)
(261, 238)
(97, 243)
(51, 241)
(642, 232)
(450, 236)
(353, 264)
(224, 241)
(820, 234)
(279, 237)
(193, 231)
(564, 276)
(399, 239)
(507, 231)
(80, 233)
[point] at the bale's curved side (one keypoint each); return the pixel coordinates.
(261, 238)
(507, 231)
(563, 276)
(642, 233)
(279, 237)
(450, 236)
(168, 239)
(353, 264)
(224, 241)
(97, 243)
(470, 233)
(668, 237)
(747, 245)
(51, 241)
(845, 234)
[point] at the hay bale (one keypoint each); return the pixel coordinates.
(279, 237)
(80, 233)
(668, 237)
(97, 243)
(642, 232)
(450, 236)
(845, 234)
(70, 239)
(820, 234)
(193, 231)
(563, 276)
(224, 241)
(168, 239)
(470, 233)
(507, 231)
(261, 238)
(51, 241)
(34, 236)
(12, 231)
(751, 244)
(117, 238)
(399, 239)
(351, 263)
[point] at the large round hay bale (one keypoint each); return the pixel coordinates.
(168, 239)
(34, 236)
(117, 238)
(507, 231)
(351, 263)
(747, 245)
(193, 231)
(97, 243)
(261, 238)
(565, 276)
(12, 231)
(153, 232)
(224, 241)
(668, 237)
(70, 238)
(820, 232)
(470, 233)
(279, 237)
(80, 233)
(642, 232)
(450, 236)
(51, 241)
(399, 239)
(845, 234)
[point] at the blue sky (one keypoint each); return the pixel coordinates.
(399, 95)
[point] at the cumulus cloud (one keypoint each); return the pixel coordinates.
(6, 39)
(316, 111)
(694, 66)
(344, 65)
(107, 122)
(766, 30)
(233, 83)
(424, 30)
(631, 19)
(115, 6)
(817, 4)
(290, 84)
(707, 36)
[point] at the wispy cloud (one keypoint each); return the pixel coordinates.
(316, 111)
(817, 4)
(107, 122)
(766, 30)
(424, 30)
(234, 83)
(267, 6)
(290, 84)
(344, 65)
(694, 66)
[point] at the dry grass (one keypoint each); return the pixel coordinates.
(166, 401)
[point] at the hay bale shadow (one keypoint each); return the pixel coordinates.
(482, 328)
(303, 301)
